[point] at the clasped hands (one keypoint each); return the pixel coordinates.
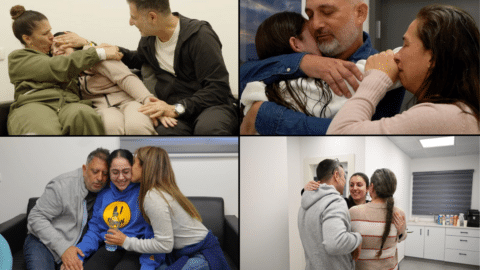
(159, 110)
(385, 62)
(72, 40)
(70, 260)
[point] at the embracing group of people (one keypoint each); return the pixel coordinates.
(68, 85)
(157, 226)
(350, 233)
(321, 75)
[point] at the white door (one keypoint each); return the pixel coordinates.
(414, 241)
(434, 243)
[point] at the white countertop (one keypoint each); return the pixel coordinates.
(433, 224)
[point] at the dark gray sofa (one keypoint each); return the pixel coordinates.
(4, 109)
(224, 227)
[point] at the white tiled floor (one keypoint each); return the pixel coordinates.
(409, 263)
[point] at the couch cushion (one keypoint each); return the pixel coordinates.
(212, 212)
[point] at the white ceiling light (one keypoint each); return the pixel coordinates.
(437, 142)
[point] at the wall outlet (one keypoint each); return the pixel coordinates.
(2, 53)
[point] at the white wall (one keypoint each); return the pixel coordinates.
(106, 21)
(450, 163)
(28, 164)
(213, 176)
(295, 185)
(264, 203)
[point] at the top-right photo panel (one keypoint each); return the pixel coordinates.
(325, 67)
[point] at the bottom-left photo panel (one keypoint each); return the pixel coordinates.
(119, 203)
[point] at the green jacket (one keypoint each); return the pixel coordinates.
(38, 77)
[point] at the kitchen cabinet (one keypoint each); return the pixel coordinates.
(434, 243)
(462, 246)
(415, 241)
(425, 242)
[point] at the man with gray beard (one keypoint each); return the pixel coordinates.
(337, 26)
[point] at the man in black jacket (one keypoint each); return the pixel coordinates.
(190, 78)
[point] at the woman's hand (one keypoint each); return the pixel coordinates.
(399, 222)
(157, 108)
(168, 121)
(70, 40)
(115, 237)
(312, 185)
(384, 62)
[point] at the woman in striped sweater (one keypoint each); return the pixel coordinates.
(374, 222)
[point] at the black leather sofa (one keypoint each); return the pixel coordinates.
(224, 227)
(4, 109)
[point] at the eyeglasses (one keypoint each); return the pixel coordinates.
(116, 173)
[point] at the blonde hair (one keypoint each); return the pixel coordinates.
(157, 173)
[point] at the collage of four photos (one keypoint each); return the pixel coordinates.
(249, 134)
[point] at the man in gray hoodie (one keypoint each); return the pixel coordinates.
(59, 219)
(324, 222)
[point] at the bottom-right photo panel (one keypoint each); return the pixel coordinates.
(360, 202)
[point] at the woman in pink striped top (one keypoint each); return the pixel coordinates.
(374, 222)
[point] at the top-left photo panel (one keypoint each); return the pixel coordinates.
(132, 67)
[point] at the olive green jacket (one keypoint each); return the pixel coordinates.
(38, 77)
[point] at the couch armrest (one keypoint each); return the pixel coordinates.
(15, 232)
(231, 241)
(4, 110)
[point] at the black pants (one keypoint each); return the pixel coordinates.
(116, 260)
(216, 120)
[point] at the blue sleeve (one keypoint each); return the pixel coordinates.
(96, 231)
(390, 105)
(150, 261)
(282, 67)
(273, 119)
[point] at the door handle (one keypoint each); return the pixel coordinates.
(420, 231)
(461, 240)
(428, 232)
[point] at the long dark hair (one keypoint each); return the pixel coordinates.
(453, 38)
(24, 21)
(385, 183)
(272, 39)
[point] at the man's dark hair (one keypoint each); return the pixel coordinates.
(162, 6)
(100, 153)
(326, 168)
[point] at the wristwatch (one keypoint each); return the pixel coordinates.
(179, 109)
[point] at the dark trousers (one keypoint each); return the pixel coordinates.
(216, 120)
(119, 259)
(37, 256)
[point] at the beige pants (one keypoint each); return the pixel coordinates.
(126, 120)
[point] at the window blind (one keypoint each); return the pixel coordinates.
(442, 192)
(184, 145)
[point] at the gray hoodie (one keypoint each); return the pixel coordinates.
(56, 219)
(325, 231)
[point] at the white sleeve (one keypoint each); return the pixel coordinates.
(158, 212)
(254, 91)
